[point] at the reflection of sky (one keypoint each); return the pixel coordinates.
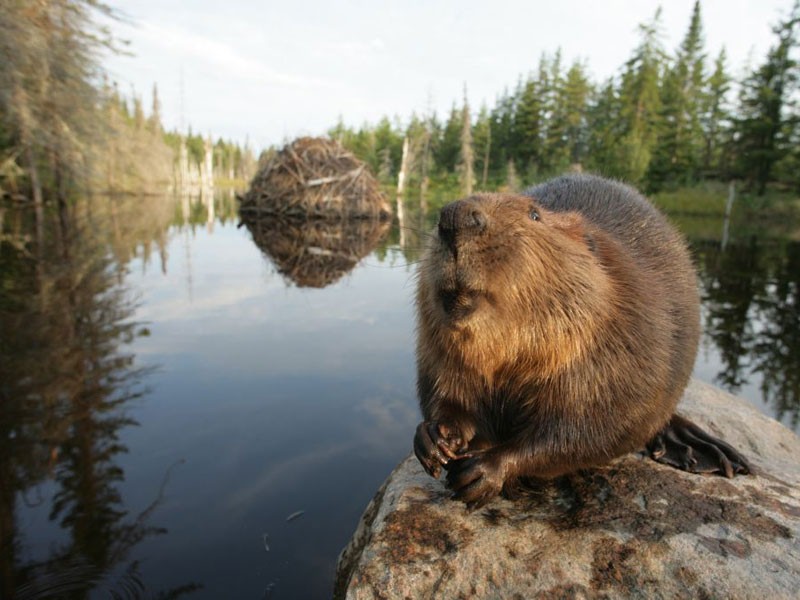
(279, 399)
(267, 400)
(232, 313)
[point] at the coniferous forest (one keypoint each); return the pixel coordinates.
(669, 118)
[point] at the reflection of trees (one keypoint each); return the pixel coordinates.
(731, 281)
(315, 252)
(65, 381)
(776, 355)
(751, 300)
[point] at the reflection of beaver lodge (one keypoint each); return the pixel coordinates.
(315, 253)
(315, 178)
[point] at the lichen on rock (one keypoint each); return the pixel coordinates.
(631, 529)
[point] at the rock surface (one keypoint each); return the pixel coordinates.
(632, 529)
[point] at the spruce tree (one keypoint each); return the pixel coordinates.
(482, 142)
(529, 121)
(761, 124)
(604, 131)
(555, 146)
(640, 103)
(502, 122)
(715, 118)
(567, 130)
(446, 154)
(466, 157)
(676, 155)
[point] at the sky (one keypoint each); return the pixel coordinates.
(267, 72)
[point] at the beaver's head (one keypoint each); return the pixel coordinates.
(503, 261)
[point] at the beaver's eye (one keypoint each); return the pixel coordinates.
(534, 215)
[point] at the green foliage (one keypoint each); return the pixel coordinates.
(764, 128)
(640, 103)
(679, 147)
(65, 127)
(715, 122)
(449, 146)
(666, 121)
(568, 134)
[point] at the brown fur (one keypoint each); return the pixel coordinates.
(549, 345)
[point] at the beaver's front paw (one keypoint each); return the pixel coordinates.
(477, 479)
(436, 443)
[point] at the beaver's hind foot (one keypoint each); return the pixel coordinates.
(683, 445)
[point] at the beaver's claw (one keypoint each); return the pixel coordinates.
(436, 443)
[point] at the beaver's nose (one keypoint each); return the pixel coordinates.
(459, 220)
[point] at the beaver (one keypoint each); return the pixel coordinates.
(556, 330)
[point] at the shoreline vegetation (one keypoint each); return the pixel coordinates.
(66, 129)
(665, 122)
(675, 124)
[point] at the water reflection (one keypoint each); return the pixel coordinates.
(279, 398)
(315, 253)
(752, 315)
(67, 381)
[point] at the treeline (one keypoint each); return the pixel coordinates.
(665, 120)
(65, 127)
(231, 161)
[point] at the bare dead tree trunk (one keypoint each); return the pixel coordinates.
(401, 181)
(423, 184)
(486, 154)
(728, 208)
(33, 174)
(38, 200)
(467, 157)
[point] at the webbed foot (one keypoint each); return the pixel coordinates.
(683, 445)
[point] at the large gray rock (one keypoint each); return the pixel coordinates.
(632, 529)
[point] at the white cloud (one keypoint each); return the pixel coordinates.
(191, 46)
(277, 70)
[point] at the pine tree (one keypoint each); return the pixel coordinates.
(482, 141)
(640, 103)
(529, 121)
(466, 157)
(388, 147)
(555, 146)
(154, 121)
(418, 141)
(676, 156)
(604, 126)
(502, 120)
(138, 113)
(567, 131)
(448, 149)
(762, 119)
(714, 117)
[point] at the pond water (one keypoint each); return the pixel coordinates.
(192, 407)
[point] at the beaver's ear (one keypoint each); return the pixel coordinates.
(573, 225)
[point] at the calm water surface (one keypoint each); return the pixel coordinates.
(175, 388)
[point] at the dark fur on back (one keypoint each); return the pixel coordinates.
(652, 242)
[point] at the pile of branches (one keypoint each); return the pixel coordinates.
(314, 178)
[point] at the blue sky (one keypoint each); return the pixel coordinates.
(270, 71)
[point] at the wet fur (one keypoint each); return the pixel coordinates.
(549, 345)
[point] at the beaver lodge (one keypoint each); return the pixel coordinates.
(314, 178)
